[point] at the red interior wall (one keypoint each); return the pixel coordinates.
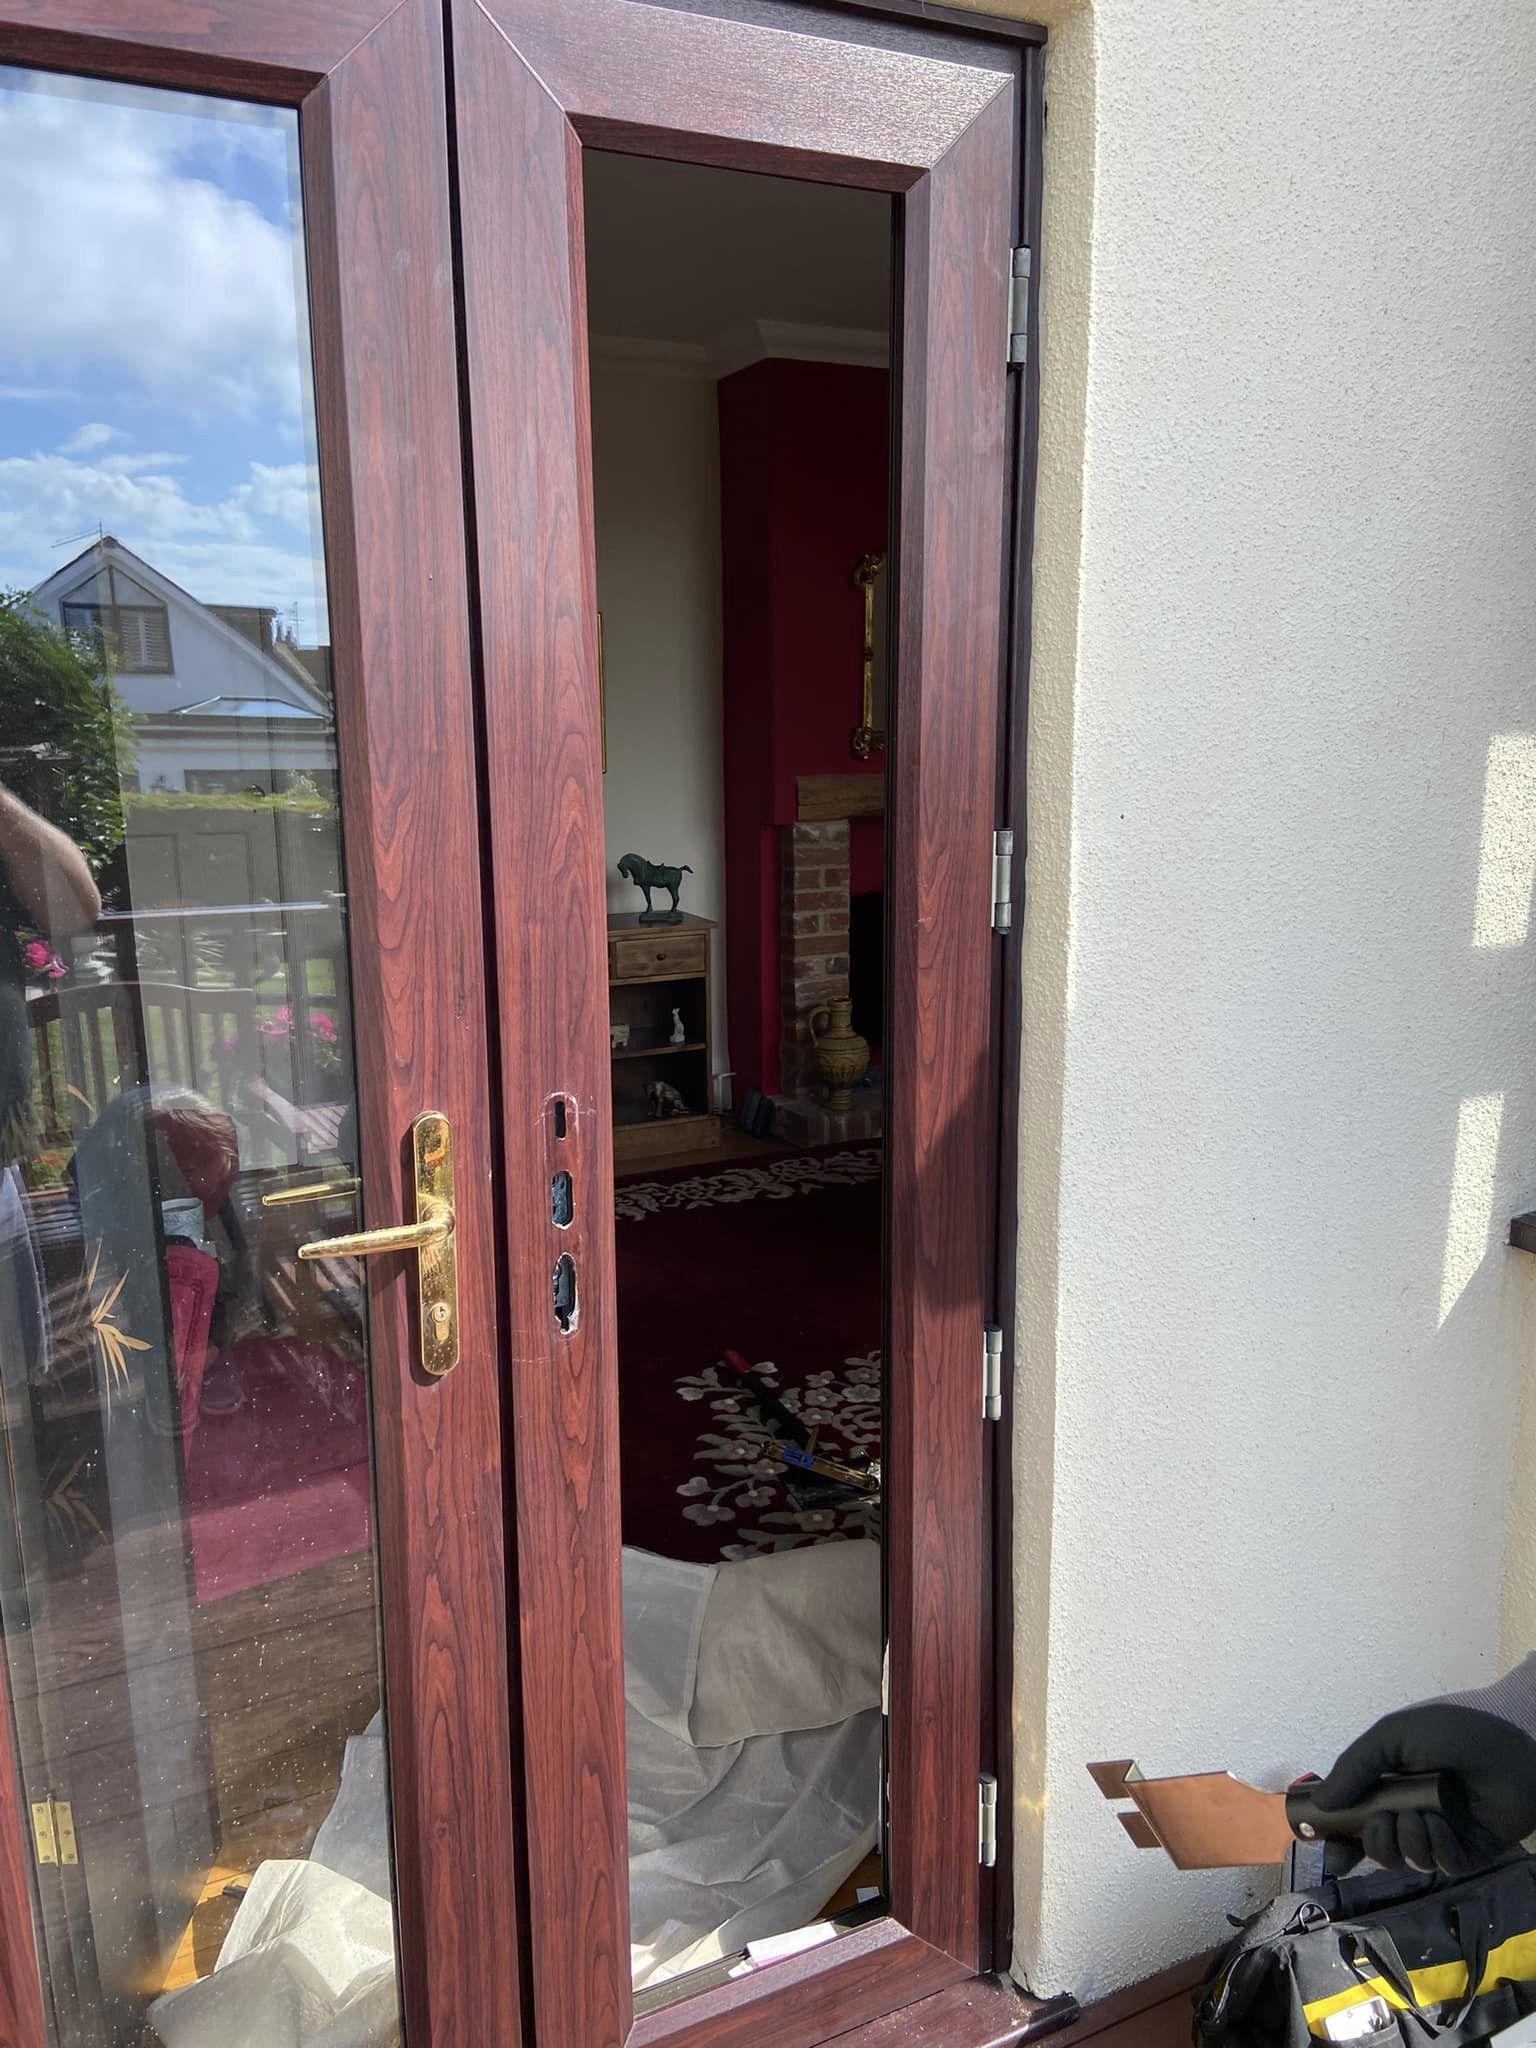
(804, 459)
(866, 855)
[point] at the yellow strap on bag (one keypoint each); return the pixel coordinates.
(1512, 1961)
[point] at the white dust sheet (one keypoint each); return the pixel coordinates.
(753, 1722)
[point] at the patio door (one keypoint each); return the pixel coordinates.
(314, 1680)
(253, 1594)
(786, 94)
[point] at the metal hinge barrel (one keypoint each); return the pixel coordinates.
(988, 1850)
(1002, 881)
(1018, 307)
(992, 1373)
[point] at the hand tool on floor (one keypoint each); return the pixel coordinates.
(863, 1479)
(1213, 1821)
(815, 1480)
(767, 1402)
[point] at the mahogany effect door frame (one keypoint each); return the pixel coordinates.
(367, 79)
(536, 81)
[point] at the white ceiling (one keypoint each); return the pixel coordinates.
(683, 254)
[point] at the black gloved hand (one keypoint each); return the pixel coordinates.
(1488, 1788)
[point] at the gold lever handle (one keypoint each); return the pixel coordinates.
(398, 1237)
(430, 1237)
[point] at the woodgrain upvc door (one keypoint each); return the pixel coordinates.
(241, 953)
(816, 98)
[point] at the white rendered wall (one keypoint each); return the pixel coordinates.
(656, 466)
(1279, 1089)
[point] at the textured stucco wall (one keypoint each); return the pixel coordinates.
(1280, 1061)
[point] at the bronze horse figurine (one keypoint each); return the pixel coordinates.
(646, 876)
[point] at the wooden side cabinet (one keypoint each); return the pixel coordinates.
(658, 976)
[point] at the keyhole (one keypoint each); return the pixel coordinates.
(559, 1116)
(565, 1294)
(560, 1205)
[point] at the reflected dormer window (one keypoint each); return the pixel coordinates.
(135, 637)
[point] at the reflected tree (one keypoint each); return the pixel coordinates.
(56, 689)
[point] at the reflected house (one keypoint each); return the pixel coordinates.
(226, 921)
(222, 702)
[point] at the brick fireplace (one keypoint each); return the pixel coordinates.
(813, 939)
(815, 883)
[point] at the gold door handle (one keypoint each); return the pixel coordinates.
(430, 1236)
(432, 1228)
(318, 1191)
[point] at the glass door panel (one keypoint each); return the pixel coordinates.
(188, 1596)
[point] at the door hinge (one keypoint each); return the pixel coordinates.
(988, 1854)
(53, 1831)
(992, 1373)
(1018, 307)
(1002, 881)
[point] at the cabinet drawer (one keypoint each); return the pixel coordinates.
(649, 955)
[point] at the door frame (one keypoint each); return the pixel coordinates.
(862, 104)
(367, 80)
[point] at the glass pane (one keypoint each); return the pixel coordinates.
(741, 405)
(188, 1592)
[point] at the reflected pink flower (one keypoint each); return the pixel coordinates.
(42, 959)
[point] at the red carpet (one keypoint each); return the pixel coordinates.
(781, 1262)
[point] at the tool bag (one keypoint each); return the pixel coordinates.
(1386, 1959)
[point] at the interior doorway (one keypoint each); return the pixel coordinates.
(741, 404)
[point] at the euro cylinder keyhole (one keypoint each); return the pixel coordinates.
(566, 1304)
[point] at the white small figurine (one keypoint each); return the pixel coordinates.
(679, 1035)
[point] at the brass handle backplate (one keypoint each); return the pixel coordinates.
(430, 1237)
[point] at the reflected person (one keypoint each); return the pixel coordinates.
(46, 893)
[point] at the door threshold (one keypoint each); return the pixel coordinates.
(983, 2012)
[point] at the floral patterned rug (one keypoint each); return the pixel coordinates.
(779, 1262)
